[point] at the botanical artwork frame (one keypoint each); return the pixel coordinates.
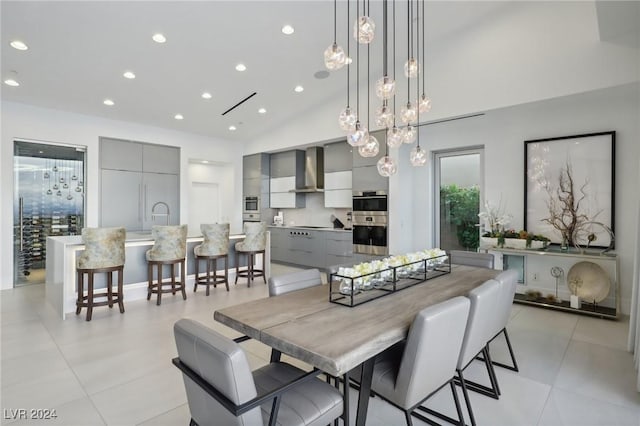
(590, 161)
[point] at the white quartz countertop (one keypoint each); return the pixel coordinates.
(132, 237)
(310, 228)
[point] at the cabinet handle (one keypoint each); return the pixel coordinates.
(139, 202)
(21, 219)
(145, 202)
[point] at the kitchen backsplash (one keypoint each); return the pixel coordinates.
(314, 214)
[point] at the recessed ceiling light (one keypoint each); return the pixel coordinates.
(288, 30)
(17, 44)
(262, 111)
(178, 117)
(241, 67)
(159, 38)
(108, 102)
(129, 75)
(299, 89)
(232, 128)
(11, 82)
(206, 95)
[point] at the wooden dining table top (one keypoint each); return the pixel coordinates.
(337, 338)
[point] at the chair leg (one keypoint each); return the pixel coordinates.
(110, 289)
(466, 397)
(80, 292)
(407, 416)
(150, 279)
(159, 285)
(197, 270)
(491, 371)
(215, 273)
(226, 271)
(208, 275)
(237, 257)
(183, 281)
(120, 290)
(456, 400)
(249, 269)
(90, 297)
(173, 278)
(264, 268)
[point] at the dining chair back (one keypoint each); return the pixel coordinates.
(471, 258)
(508, 282)
(222, 389)
(298, 280)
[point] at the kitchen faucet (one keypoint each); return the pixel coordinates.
(154, 214)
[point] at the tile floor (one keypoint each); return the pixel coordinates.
(116, 369)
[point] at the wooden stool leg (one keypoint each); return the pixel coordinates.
(226, 272)
(159, 284)
(264, 268)
(150, 278)
(120, 290)
(90, 297)
(110, 289)
(182, 280)
(195, 282)
(80, 292)
(237, 257)
(250, 260)
(173, 279)
(215, 272)
(208, 276)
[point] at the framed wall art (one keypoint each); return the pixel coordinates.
(569, 188)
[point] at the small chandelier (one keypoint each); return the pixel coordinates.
(334, 57)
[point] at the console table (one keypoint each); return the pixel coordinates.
(534, 268)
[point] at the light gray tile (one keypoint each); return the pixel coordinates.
(136, 401)
(47, 391)
(19, 339)
(32, 366)
(599, 372)
(178, 416)
(530, 318)
(602, 332)
(78, 412)
(565, 408)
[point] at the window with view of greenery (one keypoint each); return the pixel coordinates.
(459, 209)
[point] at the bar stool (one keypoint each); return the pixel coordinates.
(104, 252)
(215, 246)
(254, 243)
(169, 248)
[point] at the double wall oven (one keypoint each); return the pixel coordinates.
(370, 220)
(251, 209)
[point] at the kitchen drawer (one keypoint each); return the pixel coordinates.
(343, 248)
(333, 260)
(338, 198)
(338, 180)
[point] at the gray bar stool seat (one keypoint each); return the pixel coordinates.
(169, 248)
(103, 253)
(215, 246)
(254, 243)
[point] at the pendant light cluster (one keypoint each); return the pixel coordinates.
(62, 177)
(349, 119)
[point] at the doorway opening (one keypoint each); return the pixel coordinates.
(458, 191)
(48, 201)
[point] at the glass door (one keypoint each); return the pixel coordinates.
(48, 201)
(459, 181)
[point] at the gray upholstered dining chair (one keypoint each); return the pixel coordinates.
(478, 333)
(407, 374)
(471, 258)
(298, 280)
(222, 389)
(508, 282)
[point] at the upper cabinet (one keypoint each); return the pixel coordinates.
(160, 159)
(255, 177)
(287, 174)
(338, 159)
(116, 154)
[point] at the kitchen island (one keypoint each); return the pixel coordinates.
(61, 277)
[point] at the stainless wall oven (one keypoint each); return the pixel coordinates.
(251, 205)
(370, 221)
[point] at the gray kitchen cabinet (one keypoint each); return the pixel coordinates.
(338, 157)
(121, 192)
(116, 154)
(360, 161)
(255, 166)
(288, 163)
(158, 188)
(251, 187)
(279, 244)
(339, 248)
(160, 159)
(368, 179)
(255, 179)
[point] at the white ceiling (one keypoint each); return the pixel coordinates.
(78, 51)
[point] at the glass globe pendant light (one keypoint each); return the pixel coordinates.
(384, 116)
(409, 135)
(394, 137)
(411, 68)
(408, 113)
(387, 166)
(371, 148)
(424, 103)
(418, 156)
(364, 29)
(347, 120)
(358, 136)
(385, 87)
(334, 57)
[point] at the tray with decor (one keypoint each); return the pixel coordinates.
(364, 282)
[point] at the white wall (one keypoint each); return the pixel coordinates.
(21, 121)
(503, 132)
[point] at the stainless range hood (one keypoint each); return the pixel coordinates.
(313, 171)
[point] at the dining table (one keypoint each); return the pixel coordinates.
(335, 338)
